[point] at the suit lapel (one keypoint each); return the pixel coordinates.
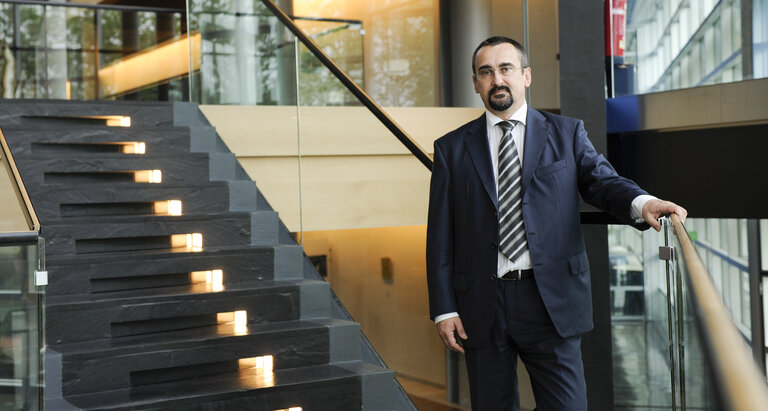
(536, 136)
(476, 142)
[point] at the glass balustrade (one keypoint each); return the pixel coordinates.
(22, 296)
(21, 323)
(660, 351)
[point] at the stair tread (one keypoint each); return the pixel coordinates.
(161, 294)
(80, 259)
(219, 386)
(186, 337)
(142, 218)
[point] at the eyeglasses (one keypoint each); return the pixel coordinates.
(506, 70)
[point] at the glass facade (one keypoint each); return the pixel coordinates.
(674, 44)
(83, 53)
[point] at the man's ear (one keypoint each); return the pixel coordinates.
(474, 83)
(527, 74)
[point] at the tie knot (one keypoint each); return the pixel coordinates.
(508, 125)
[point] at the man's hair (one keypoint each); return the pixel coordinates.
(492, 41)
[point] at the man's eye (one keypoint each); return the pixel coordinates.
(485, 72)
(506, 70)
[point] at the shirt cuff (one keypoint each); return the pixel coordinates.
(445, 316)
(636, 211)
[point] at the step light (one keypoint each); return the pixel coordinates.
(237, 318)
(290, 409)
(168, 207)
(148, 176)
(187, 242)
(134, 147)
(118, 121)
(213, 279)
(262, 365)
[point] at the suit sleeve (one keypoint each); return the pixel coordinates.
(440, 239)
(599, 184)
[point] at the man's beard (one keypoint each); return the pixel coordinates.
(500, 105)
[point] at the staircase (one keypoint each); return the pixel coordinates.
(172, 282)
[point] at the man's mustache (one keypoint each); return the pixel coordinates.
(499, 88)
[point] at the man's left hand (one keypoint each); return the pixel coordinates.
(653, 209)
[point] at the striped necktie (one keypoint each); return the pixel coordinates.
(512, 240)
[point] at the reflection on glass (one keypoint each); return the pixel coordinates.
(56, 51)
(639, 319)
(21, 329)
(721, 243)
(684, 43)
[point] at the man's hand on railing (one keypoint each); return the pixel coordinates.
(655, 208)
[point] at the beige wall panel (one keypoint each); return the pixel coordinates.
(348, 181)
(394, 316)
(344, 192)
(252, 131)
(740, 102)
(543, 25)
(255, 130)
(278, 180)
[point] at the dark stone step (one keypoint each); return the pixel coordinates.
(141, 233)
(142, 360)
(316, 388)
(192, 168)
(56, 202)
(60, 113)
(86, 274)
(139, 312)
(95, 142)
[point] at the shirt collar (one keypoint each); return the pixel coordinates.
(520, 115)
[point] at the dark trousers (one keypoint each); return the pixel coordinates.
(523, 328)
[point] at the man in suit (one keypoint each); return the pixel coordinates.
(507, 270)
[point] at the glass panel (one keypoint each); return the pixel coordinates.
(21, 366)
(696, 386)
(50, 52)
(247, 58)
(725, 255)
(373, 242)
(400, 44)
(663, 45)
(639, 319)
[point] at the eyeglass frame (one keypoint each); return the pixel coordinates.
(508, 67)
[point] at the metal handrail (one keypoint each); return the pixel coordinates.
(350, 84)
(19, 238)
(741, 385)
(18, 185)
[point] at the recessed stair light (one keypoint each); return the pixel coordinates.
(148, 176)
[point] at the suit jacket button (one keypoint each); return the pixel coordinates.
(493, 277)
(493, 245)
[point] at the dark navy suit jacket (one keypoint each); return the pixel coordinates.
(559, 163)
